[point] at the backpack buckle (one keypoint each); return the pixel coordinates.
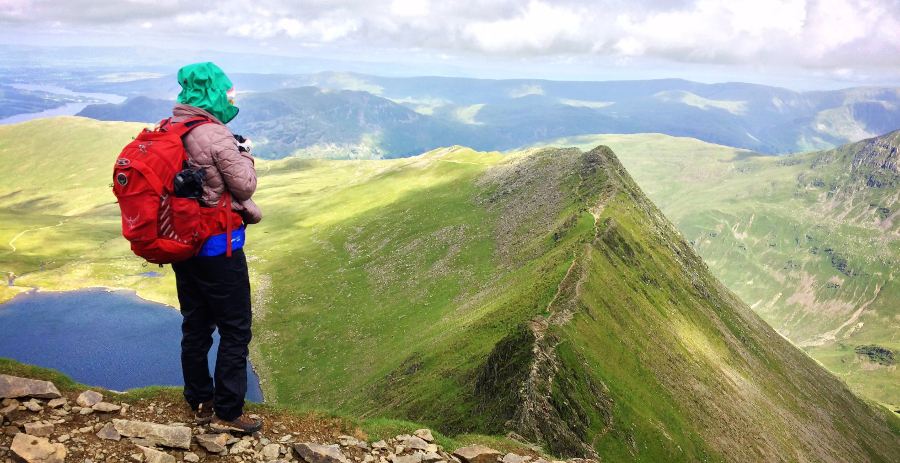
(123, 162)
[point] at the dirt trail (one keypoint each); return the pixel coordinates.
(30, 230)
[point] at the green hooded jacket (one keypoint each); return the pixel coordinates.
(206, 86)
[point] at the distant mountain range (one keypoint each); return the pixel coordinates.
(504, 114)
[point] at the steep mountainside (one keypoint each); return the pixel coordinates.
(809, 240)
(539, 293)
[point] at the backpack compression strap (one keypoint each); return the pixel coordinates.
(225, 201)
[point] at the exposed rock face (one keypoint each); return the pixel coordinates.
(318, 453)
(38, 450)
(169, 436)
(14, 387)
(478, 454)
(89, 399)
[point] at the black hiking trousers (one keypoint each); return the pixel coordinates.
(215, 292)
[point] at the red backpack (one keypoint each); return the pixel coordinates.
(161, 227)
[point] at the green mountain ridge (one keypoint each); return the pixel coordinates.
(539, 293)
(808, 240)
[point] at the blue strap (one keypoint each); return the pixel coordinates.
(218, 244)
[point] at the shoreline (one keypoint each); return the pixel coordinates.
(112, 289)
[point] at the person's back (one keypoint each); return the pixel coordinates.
(214, 286)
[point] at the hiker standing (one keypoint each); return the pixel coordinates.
(214, 286)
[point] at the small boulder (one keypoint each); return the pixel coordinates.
(513, 458)
(191, 457)
(169, 436)
(379, 445)
(105, 407)
(242, 447)
(39, 429)
(270, 452)
(424, 434)
(318, 453)
(347, 441)
(11, 430)
(414, 443)
(213, 443)
(33, 406)
(12, 387)
(431, 457)
(155, 456)
(58, 402)
(109, 433)
(11, 406)
(478, 454)
(414, 458)
(34, 449)
(89, 399)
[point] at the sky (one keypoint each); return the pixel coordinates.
(800, 44)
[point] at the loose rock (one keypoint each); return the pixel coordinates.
(191, 457)
(347, 441)
(169, 436)
(317, 453)
(213, 443)
(414, 443)
(89, 399)
(13, 387)
(414, 458)
(271, 451)
(424, 434)
(513, 458)
(105, 407)
(109, 433)
(478, 454)
(33, 405)
(10, 407)
(38, 429)
(37, 449)
(155, 456)
(58, 402)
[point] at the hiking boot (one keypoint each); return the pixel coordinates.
(241, 424)
(203, 413)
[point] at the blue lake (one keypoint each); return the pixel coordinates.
(110, 339)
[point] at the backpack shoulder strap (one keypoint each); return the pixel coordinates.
(183, 127)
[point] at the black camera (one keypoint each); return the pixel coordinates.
(189, 183)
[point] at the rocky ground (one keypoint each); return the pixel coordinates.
(41, 425)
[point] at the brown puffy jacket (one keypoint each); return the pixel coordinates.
(213, 147)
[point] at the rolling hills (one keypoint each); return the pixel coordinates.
(539, 293)
(808, 240)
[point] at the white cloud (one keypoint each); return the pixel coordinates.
(410, 8)
(538, 28)
(824, 34)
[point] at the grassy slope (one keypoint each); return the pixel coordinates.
(776, 230)
(422, 289)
